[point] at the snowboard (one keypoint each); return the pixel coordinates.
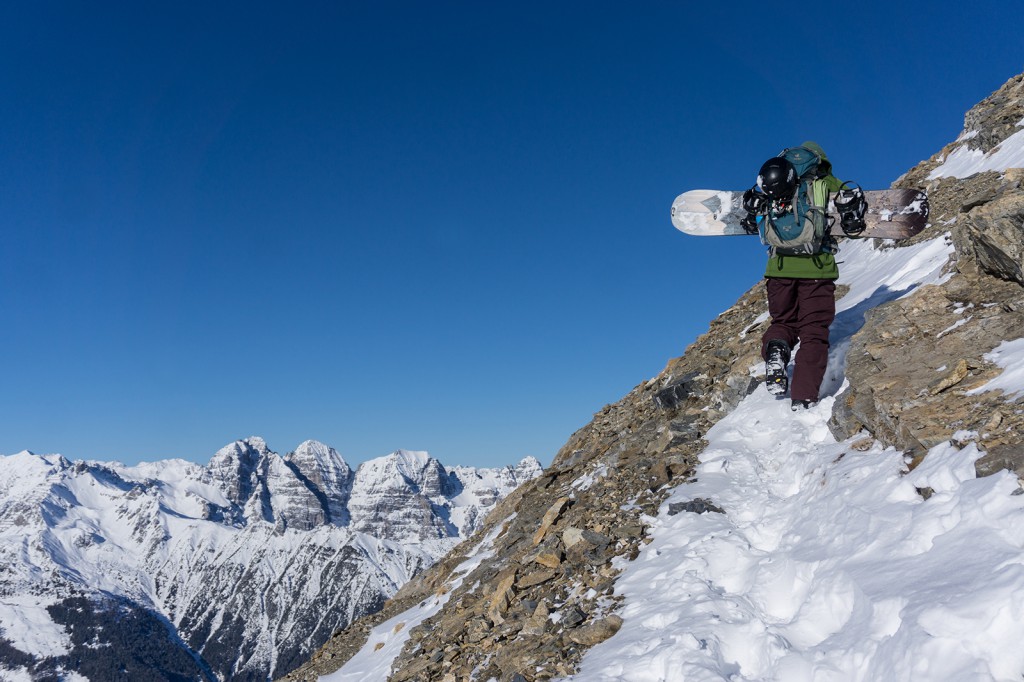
(891, 214)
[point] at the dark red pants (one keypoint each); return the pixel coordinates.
(802, 310)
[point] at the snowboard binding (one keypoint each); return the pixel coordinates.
(852, 206)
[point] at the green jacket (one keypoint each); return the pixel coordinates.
(821, 265)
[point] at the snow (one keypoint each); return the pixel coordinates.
(395, 470)
(25, 623)
(587, 480)
(963, 161)
(1010, 356)
(827, 563)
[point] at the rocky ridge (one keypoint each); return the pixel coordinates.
(548, 594)
(913, 365)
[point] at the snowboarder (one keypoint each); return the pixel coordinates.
(801, 273)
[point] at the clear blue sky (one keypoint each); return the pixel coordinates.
(438, 226)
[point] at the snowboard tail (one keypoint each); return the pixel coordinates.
(891, 214)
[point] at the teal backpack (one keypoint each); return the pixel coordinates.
(801, 226)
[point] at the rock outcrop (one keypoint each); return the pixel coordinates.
(914, 365)
(987, 126)
(324, 471)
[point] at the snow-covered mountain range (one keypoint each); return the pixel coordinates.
(235, 570)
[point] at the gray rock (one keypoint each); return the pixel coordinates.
(595, 633)
(572, 617)
(995, 232)
(675, 393)
(696, 506)
(914, 360)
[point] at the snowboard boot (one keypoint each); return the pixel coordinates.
(776, 361)
(800, 405)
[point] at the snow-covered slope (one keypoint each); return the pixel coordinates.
(964, 161)
(827, 563)
(241, 567)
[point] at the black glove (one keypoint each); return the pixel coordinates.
(754, 203)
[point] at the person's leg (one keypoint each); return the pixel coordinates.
(816, 305)
(779, 338)
(782, 306)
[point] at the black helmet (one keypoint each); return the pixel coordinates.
(777, 178)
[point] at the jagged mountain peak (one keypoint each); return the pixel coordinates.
(243, 447)
(31, 459)
(402, 468)
(236, 467)
(327, 475)
(25, 470)
(405, 460)
(526, 463)
(320, 463)
(314, 449)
